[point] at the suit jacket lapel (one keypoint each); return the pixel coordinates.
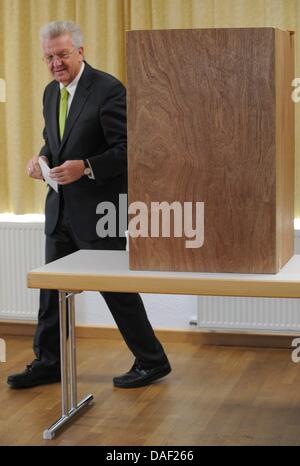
(78, 102)
(53, 112)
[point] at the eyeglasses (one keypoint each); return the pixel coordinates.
(60, 56)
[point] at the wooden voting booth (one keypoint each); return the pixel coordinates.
(211, 119)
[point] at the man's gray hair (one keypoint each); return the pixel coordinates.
(59, 28)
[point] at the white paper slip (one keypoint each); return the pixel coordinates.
(45, 170)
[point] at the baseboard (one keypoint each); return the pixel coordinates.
(195, 336)
(17, 328)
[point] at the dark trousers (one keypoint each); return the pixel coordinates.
(127, 308)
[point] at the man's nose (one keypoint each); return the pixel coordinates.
(56, 60)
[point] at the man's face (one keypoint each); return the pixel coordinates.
(62, 58)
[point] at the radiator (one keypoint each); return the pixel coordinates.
(21, 249)
(225, 312)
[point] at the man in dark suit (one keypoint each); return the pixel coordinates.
(85, 147)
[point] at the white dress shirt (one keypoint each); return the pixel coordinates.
(71, 88)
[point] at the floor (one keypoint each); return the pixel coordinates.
(214, 396)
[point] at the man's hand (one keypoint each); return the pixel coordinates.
(69, 171)
(33, 168)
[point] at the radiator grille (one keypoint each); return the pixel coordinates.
(248, 313)
(21, 250)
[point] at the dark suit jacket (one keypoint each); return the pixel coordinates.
(95, 129)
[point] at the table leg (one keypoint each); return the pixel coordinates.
(67, 345)
(72, 352)
(63, 353)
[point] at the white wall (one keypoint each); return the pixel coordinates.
(164, 311)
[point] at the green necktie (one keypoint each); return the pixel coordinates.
(63, 110)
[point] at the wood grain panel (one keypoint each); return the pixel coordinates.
(202, 127)
(285, 145)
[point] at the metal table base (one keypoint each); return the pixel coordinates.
(69, 404)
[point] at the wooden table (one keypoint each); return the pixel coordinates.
(87, 270)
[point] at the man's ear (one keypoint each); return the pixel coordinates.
(81, 51)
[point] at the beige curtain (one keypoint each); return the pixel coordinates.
(104, 23)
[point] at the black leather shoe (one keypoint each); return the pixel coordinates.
(138, 377)
(32, 376)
